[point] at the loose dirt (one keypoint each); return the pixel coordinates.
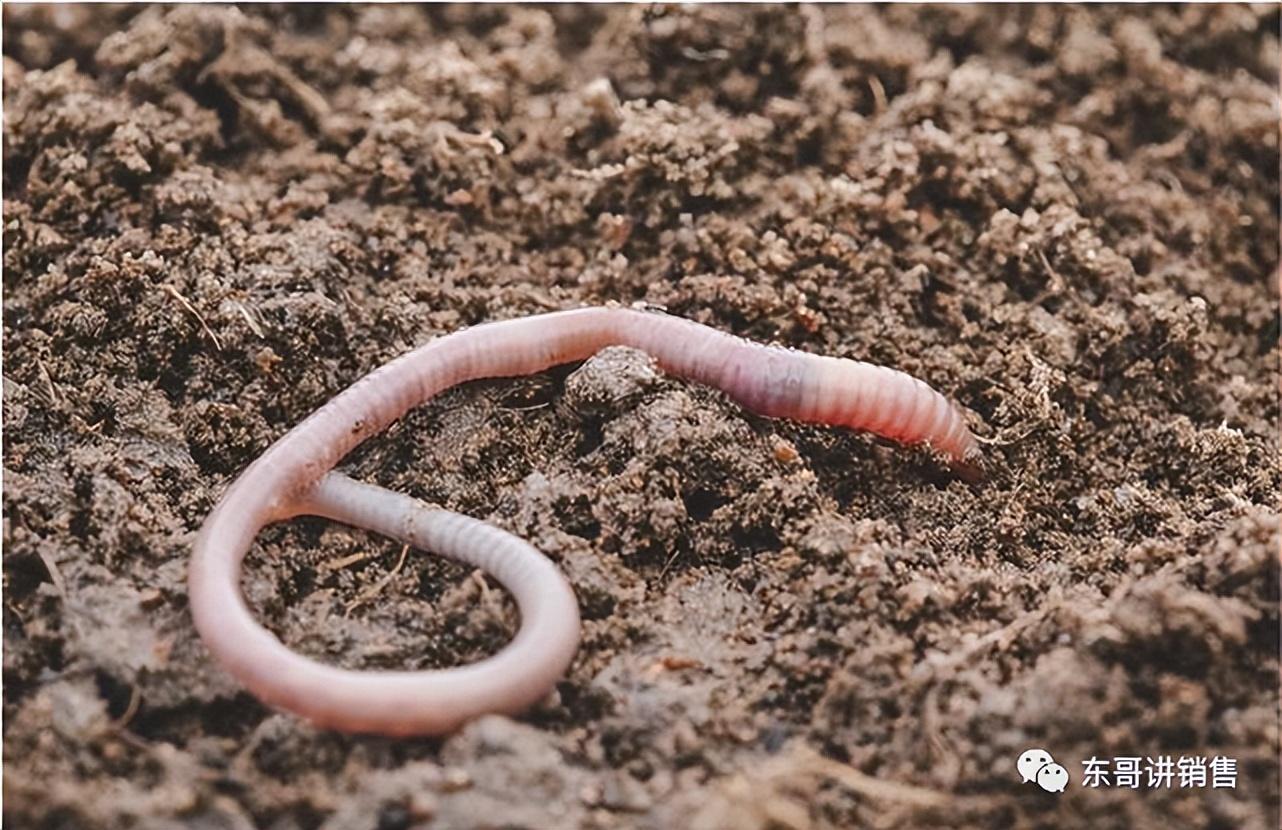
(1064, 217)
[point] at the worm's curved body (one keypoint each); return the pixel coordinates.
(293, 478)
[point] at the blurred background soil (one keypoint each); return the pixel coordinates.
(1066, 218)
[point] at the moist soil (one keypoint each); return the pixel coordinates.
(1065, 218)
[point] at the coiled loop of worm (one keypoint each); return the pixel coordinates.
(293, 478)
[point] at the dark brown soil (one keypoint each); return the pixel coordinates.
(1065, 217)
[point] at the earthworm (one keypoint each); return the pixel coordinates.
(293, 477)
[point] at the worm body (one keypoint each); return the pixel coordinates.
(293, 477)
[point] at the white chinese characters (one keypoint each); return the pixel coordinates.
(1132, 772)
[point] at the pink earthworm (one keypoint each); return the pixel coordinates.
(293, 477)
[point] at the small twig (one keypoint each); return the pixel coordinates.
(526, 407)
(135, 700)
(668, 563)
(1006, 442)
(878, 94)
(704, 55)
(346, 561)
(1054, 285)
(59, 584)
(1006, 633)
(867, 785)
(191, 309)
(249, 320)
(478, 576)
(373, 590)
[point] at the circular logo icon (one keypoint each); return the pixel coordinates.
(1038, 765)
